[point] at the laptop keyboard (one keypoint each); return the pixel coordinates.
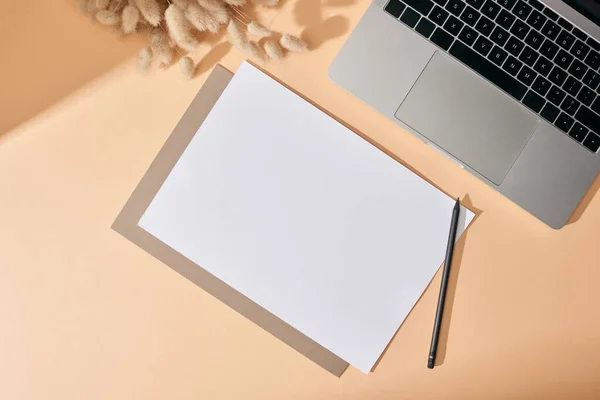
(525, 49)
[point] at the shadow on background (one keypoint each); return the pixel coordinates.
(49, 49)
(318, 29)
(585, 201)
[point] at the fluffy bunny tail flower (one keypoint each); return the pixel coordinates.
(293, 43)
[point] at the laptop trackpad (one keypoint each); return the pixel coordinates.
(467, 117)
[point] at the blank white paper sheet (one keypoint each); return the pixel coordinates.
(304, 217)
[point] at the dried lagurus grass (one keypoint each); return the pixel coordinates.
(180, 29)
(256, 29)
(254, 51)
(102, 4)
(106, 17)
(236, 3)
(144, 60)
(117, 6)
(187, 67)
(201, 18)
(129, 19)
(150, 10)
(237, 37)
(293, 43)
(268, 3)
(160, 46)
(181, 3)
(273, 50)
(217, 9)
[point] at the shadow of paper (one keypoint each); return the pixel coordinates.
(318, 29)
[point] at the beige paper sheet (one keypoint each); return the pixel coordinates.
(127, 220)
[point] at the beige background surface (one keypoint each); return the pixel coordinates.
(84, 314)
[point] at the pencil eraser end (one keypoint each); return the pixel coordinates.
(430, 364)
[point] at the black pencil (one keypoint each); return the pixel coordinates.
(444, 286)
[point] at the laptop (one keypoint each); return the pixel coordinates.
(508, 89)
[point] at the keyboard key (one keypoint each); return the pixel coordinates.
(579, 33)
(536, 4)
(555, 95)
(557, 76)
(483, 46)
(570, 105)
(526, 75)
(543, 66)
(499, 36)
(563, 59)
(565, 40)
(442, 38)
(468, 35)
(578, 132)
(438, 15)
(591, 79)
(588, 118)
(475, 3)
(596, 105)
(497, 55)
(577, 69)
(519, 29)
(541, 85)
(580, 49)
(586, 96)
(536, 20)
(529, 56)
(533, 101)
(455, 7)
(410, 17)
(593, 44)
(484, 26)
(453, 25)
(470, 16)
(425, 27)
(490, 9)
(565, 24)
(505, 19)
(488, 70)
(592, 142)
(534, 39)
(550, 14)
(550, 30)
(512, 65)
(550, 112)
(549, 49)
(507, 3)
(572, 86)
(422, 6)
(593, 60)
(522, 10)
(440, 2)
(514, 46)
(395, 8)
(564, 122)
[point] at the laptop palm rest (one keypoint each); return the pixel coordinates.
(467, 117)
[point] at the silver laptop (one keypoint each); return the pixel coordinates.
(509, 89)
